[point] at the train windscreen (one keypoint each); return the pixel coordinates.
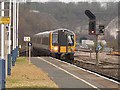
(62, 38)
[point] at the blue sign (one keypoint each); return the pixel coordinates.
(29, 44)
(99, 47)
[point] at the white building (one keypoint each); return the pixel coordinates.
(87, 43)
(103, 42)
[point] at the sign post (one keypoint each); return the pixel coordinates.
(27, 39)
(29, 45)
(26, 49)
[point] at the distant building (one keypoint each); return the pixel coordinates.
(33, 0)
(21, 1)
(103, 42)
(53, 1)
(112, 28)
(87, 43)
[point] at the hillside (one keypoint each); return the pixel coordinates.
(33, 22)
(39, 17)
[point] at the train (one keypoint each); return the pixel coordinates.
(58, 43)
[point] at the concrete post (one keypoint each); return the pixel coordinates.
(2, 61)
(2, 74)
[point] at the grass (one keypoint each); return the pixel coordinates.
(25, 75)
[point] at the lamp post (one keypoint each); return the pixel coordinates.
(14, 34)
(9, 41)
(17, 26)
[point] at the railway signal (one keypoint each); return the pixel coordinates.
(92, 30)
(92, 22)
(92, 27)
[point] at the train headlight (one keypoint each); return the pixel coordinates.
(55, 48)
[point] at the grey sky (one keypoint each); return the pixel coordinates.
(63, 0)
(81, 0)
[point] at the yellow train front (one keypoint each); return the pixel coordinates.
(59, 43)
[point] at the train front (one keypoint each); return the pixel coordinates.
(63, 44)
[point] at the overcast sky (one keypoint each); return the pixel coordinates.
(63, 0)
(81, 0)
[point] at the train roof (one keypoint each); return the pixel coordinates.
(47, 32)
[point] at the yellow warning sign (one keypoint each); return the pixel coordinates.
(4, 20)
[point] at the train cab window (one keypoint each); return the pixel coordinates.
(55, 39)
(62, 37)
(71, 40)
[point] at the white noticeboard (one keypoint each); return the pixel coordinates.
(27, 39)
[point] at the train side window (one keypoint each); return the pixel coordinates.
(45, 40)
(55, 39)
(39, 41)
(35, 39)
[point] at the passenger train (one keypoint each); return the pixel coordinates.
(59, 43)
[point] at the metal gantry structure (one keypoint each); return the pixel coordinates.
(8, 55)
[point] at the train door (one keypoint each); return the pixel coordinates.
(62, 41)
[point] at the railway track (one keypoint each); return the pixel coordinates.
(106, 69)
(111, 71)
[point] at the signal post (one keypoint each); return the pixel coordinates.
(96, 50)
